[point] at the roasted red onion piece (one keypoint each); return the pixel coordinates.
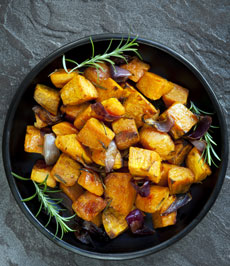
(119, 74)
(104, 115)
(178, 203)
(162, 126)
(202, 127)
(144, 189)
(47, 117)
(199, 144)
(50, 151)
(110, 156)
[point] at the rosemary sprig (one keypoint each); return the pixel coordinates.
(128, 46)
(49, 205)
(209, 151)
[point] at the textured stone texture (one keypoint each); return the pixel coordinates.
(30, 30)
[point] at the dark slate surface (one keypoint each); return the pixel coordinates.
(30, 30)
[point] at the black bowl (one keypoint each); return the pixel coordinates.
(164, 62)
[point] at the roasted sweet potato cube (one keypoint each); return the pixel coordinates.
(64, 128)
(177, 94)
(90, 180)
(153, 86)
(166, 220)
(78, 90)
(154, 201)
(137, 68)
(97, 220)
(39, 173)
(83, 117)
(98, 156)
(126, 133)
(88, 206)
(160, 142)
(33, 140)
(195, 162)
(182, 148)
(113, 106)
(47, 97)
(72, 111)
(136, 106)
(120, 191)
(73, 192)
(144, 162)
(66, 170)
(39, 123)
(97, 75)
(70, 145)
(95, 135)
(165, 167)
(179, 179)
(114, 222)
(60, 77)
(184, 119)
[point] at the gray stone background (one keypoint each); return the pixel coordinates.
(30, 30)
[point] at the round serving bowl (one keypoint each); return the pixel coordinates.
(164, 62)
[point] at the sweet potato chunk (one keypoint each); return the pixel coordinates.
(184, 119)
(90, 180)
(144, 162)
(33, 140)
(98, 156)
(78, 90)
(73, 192)
(177, 94)
(137, 68)
(39, 173)
(196, 163)
(136, 106)
(97, 75)
(88, 206)
(182, 148)
(153, 86)
(72, 111)
(83, 117)
(126, 133)
(64, 128)
(66, 170)
(95, 135)
(71, 146)
(39, 122)
(154, 201)
(114, 222)
(60, 77)
(157, 141)
(179, 179)
(165, 167)
(163, 221)
(121, 192)
(47, 97)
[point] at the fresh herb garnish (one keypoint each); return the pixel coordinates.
(49, 205)
(209, 151)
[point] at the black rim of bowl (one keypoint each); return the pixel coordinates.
(6, 142)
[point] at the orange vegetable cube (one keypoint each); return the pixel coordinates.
(64, 128)
(83, 117)
(113, 106)
(33, 140)
(72, 111)
(97, 75)
(78, 90)
(182, 148)
(88, 206)
(165, 167)
(73, 192)
(60, 77)
(98, 156)
(177, 94)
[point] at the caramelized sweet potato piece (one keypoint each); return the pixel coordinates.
(196, 163)
(98, 156)
(163, 221)
(66, 170)
(144, 162)
(97, 75)
(154, 201)
(73, 192)
(39, 173)
(184, 119)
(126, 133)
(78, 90)
(95, 135)
(177, 94)
(90, 180)
(70, 145)
(121, 192)
(33, 140)
(97, 220)
(83, 117)
(88, 206)
(64, 128)
(165, 167)
(60, 77)
(182, 148)
(179, 179)
(114, 222)
(47, 97)
(72, 111)
(157, 141)
(153, 86)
